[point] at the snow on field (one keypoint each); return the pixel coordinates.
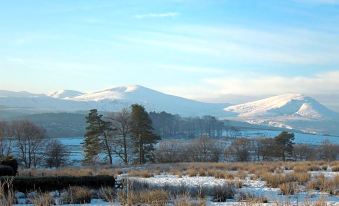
(256, 187)
(327, 174)
(173, 180)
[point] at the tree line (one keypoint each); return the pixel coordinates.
(281, 147)
(172, 126)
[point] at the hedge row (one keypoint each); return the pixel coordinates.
(43, 184)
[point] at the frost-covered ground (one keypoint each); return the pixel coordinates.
(256, 187)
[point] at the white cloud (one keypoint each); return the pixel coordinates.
(236, 44)
(157, 15)
(258, 85)
(191, 69)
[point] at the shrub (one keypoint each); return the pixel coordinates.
(77, 195)
(43, 184)
(6, 170)
(223, 192)
(335, 169)
(10, 161)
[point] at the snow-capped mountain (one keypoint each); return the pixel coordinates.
(65, 94)
(108, 100)
(124, 96)
(292, 111)
(292, 105)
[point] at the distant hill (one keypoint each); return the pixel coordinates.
(287, 111)
(113, 99)
(292, 111)
(59, 124)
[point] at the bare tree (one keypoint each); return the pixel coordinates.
(5, 140)
(170, 151)
(56, 154)
(240, 149)
(120, 137)
(328, 151)
(29, 141)
(303, 152)
(204, 149)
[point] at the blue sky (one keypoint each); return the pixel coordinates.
(197, 49)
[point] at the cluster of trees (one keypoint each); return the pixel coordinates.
(127, 134)
(243, 149)
(170, 126)
(27, 141)
(281, 147)
(203, 149)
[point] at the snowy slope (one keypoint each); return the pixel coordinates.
(286, 105)
(108, 100)
(124, 96)
(64, 94)
(292, 111)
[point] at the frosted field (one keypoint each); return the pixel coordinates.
(255, 187)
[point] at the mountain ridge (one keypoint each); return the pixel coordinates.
(291, 110)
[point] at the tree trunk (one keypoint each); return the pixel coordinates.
(141, 152)
(125, 150)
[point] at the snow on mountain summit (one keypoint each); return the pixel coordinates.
(286, 105)
(62, 94)
(115, 93)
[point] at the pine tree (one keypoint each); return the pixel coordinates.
(91, 143)
(284, 142)
(143, 133)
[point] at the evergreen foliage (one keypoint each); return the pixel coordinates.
(143, 134)
(91, 143)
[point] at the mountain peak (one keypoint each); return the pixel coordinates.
(64, 93)
(127, 88)
(287, 105)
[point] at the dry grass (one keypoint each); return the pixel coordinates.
(77, 195)
(140, 173)
(153, 197)
(43, 199)
(186, 200)
(301, 177)
(251, 198)
(289, 188)
(274, 180)
(108, 194)
(6, 193)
